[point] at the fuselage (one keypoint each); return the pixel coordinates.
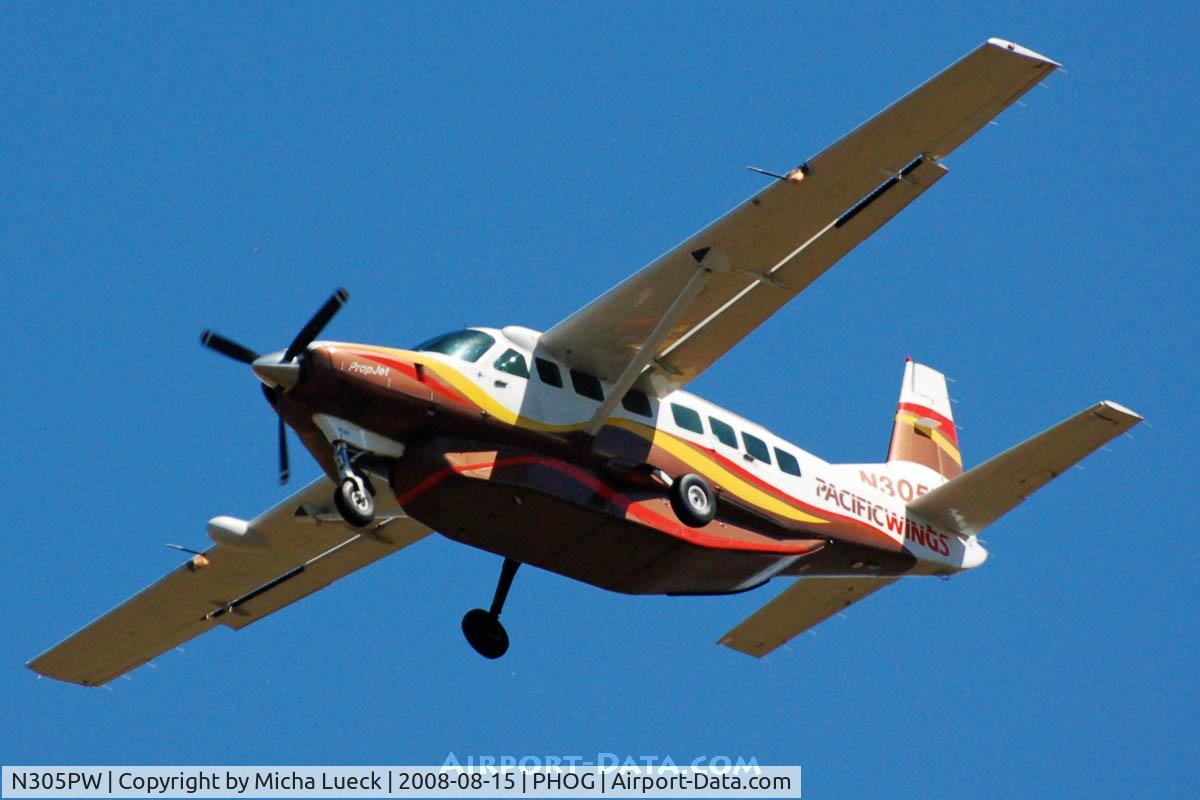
(495, 455)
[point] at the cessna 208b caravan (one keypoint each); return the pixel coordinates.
(578, 451)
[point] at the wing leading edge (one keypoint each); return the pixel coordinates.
(304, 546)
(784, 238)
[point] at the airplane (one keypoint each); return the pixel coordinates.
(577, 450)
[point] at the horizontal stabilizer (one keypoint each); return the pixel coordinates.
(802, 605)
(980, 496)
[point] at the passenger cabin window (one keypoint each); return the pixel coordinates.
(513, 363)
(787, 462)
(548, 371)
(587, 385)
(723, 432)
(686, 418)
(756, 447)
(635, 400)
(467, 345)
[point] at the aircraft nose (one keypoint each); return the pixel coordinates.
(272, 370)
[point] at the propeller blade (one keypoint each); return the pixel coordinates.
(315, 325)
(227, 347)
(284, 470)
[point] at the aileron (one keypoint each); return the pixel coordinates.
(785, 233)
(235, 588)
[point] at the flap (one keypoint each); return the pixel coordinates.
(193, 598)
(783, 238)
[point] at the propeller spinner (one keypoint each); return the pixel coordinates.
(279, 371)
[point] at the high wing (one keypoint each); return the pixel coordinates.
(802, 605)
(302, 545)
(981, 495)
(767, 250)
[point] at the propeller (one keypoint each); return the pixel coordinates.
(228, 347)
(279, 372)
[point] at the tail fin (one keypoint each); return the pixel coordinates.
(924, 430)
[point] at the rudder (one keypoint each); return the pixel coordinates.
(924, 432)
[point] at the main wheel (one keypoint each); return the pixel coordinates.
(354, 503)
(485, 633)
(693, 500)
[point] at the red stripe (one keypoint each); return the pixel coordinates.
(635, 509)
(743, 473)
(779, 494)
(411, 371)
(632, 509)
(945, 424)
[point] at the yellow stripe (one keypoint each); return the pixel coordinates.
(728, 480)
(676, 447)
(938, 437)
(471, 390)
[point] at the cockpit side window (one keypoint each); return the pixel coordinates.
(513, 363)
(467, 345)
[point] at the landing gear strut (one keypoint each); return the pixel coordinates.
(482, 628)
(352, 497)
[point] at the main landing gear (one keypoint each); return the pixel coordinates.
(482, 628)
(353, 496)
(693, 501)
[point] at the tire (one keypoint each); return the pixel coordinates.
(356, 506)
(693, 500)
(485, 633)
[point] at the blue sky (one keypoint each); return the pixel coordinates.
(168, 168)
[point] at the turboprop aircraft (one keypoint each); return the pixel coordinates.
(578, 451)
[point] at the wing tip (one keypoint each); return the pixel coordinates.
(755, 650)
(44, 667)
(1122, 411)
(1013, 47)
(42, 671)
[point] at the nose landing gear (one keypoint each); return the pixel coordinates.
(353, 496)
(354, 502)
(482, 628)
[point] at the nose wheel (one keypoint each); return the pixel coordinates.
(352, 497)
(354, 502)
(482, 628)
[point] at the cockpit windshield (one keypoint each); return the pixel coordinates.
(467, 345)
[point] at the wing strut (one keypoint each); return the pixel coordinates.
(708, 260)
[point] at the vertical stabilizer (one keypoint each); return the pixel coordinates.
(924, 430)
